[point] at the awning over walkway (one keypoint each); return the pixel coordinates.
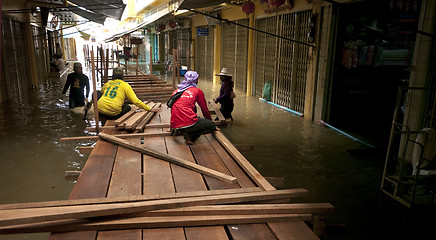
(148, 20)
(91, 16)
(108, 8)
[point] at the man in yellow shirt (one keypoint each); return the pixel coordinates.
(111, 104)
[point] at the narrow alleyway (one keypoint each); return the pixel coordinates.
(304, 153)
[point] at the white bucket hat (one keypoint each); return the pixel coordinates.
(224, 72)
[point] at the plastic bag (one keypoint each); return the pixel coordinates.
(267, 91)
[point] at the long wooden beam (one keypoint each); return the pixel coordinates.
(35, 215)
(150, 125)
(154, 222)
(126, 135)
(178, 161)
(243, 209)
(125, 199)
(243, 162)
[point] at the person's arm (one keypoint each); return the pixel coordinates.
(203, 105)
(87, 86)
(226, 89)
(134, 99)
(67, 84)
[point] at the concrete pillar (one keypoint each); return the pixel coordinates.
(250, 56)
(312, 69)
(216, 53)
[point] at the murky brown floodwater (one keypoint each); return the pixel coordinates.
(306, 155)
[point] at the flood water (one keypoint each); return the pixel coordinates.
(305, 154)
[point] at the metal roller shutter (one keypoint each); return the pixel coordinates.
(39, 51)
(234, 52)
(17, 59)
(282, 62)
(204, 54)
(182, 38)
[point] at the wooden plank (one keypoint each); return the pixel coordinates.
(93, 182)
(124, 199)
(150, 125)
(125, 181)
(147, 118)
(293, 231)
(163, 234)
(166, 157)
(242, 209)
(206, 156)
(85, 149)
(243, 162)
(123, 118)
(156, 222)
(133, 121)
(245, 181)
(94, 92)
(125, 135)
(158, 180)
(211, 232)
(250, 231)
(244, 147)
(24, 216)
(72, 175)
(131, 234)
(186, 180)
(217, 110)
(161, 125)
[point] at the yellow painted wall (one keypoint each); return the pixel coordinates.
(234, 12)
(131, 13)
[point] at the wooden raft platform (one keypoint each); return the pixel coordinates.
(113, 171)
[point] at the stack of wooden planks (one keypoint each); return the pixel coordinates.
(174, 210)
(115, 173)
(149, 87)
(136, 119)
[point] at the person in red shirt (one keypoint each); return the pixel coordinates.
(184, 113)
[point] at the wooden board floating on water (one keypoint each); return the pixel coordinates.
(85, 149)
(35, 215)
(171, 159)
(72, 175)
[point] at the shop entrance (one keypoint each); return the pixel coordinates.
(375, 44)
